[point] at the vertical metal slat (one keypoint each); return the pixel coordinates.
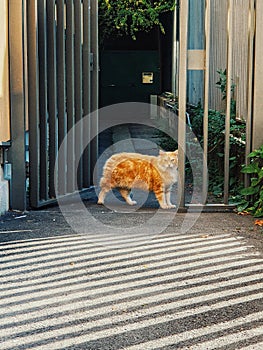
(182, 101)
(251, 33)
(86, 91)
(78, 89)
(70, 95)
(228, 101)
(94, 87)
(33, 100)
(257, 127)
(42, 49)
(61, 88)
(52, 95)
(16, 25)
(206, 98)
(174, 57)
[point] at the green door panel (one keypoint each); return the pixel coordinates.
(121, 76)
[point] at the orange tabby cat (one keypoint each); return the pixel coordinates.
(149, 173)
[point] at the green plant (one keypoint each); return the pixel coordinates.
(252, 196)
(216, 141)
(216, 144)
(128, 17)
(222, 85)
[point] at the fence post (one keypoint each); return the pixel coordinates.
(70, 94)
(228, 98)
(43, 102)
(94, 86)
(206, 97)
(52, 94)
(87, 67)
(182, 101)
(61, 96)
(78, 87)
(257, 132)
(33, 101)
(17, 104)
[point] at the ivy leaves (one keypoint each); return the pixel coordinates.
(252, 196)
(128, 17)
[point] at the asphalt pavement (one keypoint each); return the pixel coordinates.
(84, 276)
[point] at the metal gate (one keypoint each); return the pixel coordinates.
(192, 59)
(53, 48)
(61, 87)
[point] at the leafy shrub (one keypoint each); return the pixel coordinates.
(222, 85)
(216, 141)
(216, 144)
(128, 17)
(252, 196)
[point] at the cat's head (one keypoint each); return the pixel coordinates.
(168, 159)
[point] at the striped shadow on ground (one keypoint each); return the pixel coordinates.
(174, 292)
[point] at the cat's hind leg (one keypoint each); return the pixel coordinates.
(126, 195)
(102, 194)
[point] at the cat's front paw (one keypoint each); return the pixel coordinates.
(131, 202)
(168, 206)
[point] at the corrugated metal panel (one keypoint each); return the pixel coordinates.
(218, 49)
(240, 52)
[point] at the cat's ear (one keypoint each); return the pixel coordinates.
(161, 152)
(176, 152)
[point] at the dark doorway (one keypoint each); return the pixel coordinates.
(132, 70)
(129, 76)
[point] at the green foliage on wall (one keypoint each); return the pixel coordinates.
(128, 17)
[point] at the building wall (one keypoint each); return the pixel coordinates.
(4, 100)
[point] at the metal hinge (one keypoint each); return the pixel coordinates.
(3, 151)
